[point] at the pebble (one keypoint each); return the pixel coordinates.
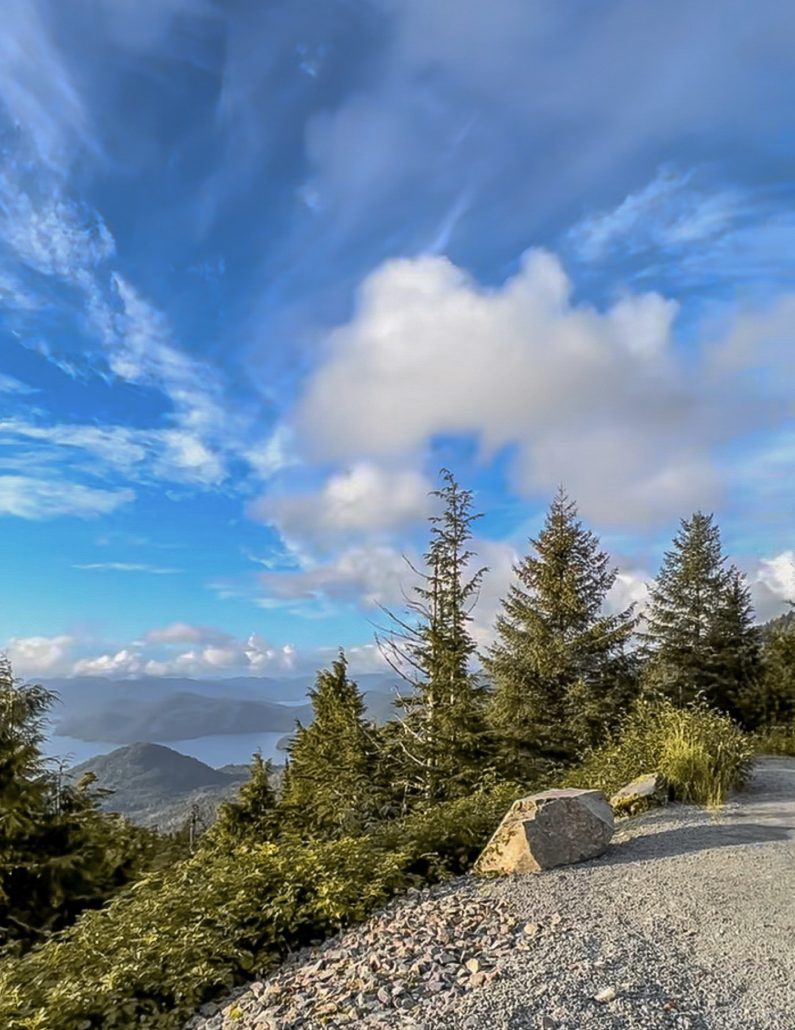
(429, 942)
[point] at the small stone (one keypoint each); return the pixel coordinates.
(472, 965)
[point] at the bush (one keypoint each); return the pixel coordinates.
(702, 753)
(176, 940)
(444, 839)
(776, 740)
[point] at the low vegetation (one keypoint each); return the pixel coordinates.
(153, 926)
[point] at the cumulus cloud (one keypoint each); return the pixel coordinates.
(364, 499)
(367, 574)
(777, 575)
(123, 664)
(594, 399)
(215, 654)
(32, 655)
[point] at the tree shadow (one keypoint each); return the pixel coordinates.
(682, 840)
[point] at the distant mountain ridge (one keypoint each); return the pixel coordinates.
(156, 786)
(163, 710)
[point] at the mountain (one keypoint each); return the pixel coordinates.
(163, 709)
(379, 708)
(781, 623)
(181, 716)
(157, 786)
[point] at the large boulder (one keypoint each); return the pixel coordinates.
(647, 791)
(553, 828)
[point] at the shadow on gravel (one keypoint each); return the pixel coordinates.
(684, 839)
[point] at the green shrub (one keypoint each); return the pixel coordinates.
(176, 940)
(776, 740)
(702, 753)
(444, 839)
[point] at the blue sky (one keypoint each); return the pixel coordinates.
(266, 267)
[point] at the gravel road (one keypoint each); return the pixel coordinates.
(689, 917)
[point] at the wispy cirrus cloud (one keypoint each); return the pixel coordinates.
(39, 499)
(118, 566)
(10, 384)
(37, 87)
(666, 214)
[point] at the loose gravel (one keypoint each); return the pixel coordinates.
(687, 922)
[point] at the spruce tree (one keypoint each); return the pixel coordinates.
(252, 816)
(733, 670)
(684, 605)
(443, 747)
(560, 673)
(58, 853)
(773, 702)
(326, 788)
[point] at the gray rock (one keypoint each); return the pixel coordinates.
(553, 828)
(651, 789)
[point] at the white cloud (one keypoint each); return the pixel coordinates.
(364, 499)
(665, 213)
(30, 656)
(252, 657)
(186, 458)
(30, 498)
(272, 454)
(366, 574)
(593, 399)
(778, 575)
(15, 295)
(8, 384)
(185, 633)
(117, 566)
(125, 663)
(51, 234)
(115, 446)
(36, 87)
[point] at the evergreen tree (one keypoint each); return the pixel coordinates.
(326, 787)
(734, 665)
(684, 605)
(559, 670)
(58, 853)
(252, 816)
(773, 702)
(443, 747)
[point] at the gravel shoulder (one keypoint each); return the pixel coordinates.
(689, 917)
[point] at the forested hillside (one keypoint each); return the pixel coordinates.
(568, 696)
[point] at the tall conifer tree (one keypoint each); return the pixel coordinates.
(252, 815)
(773, 702)
(58, 853)
(559, 670)
(443, 747)
(684, 605)
(327, 785)
(734, 672)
